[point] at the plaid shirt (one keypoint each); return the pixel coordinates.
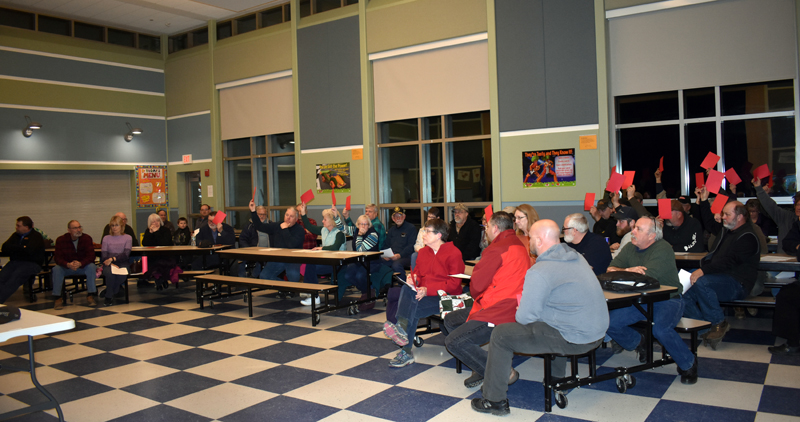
(310, 240)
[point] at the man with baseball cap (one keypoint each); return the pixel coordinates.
(685, 234)
(401, 238)
(626, 218)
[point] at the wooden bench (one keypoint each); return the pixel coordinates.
(777, 283)
(254, 284)
(187, 276)
(751, 302)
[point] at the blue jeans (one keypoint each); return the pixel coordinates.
(413, 260)
(273, 270)
(410, 310)
(666, 315)
(464, 339)
(313, 272)
(398, 266)
(702, 300)
(59, 272)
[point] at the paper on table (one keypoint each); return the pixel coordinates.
(770, 258)
(686, 282)
(118, 271)
(464, 276)
(387, 253)
(268, 249)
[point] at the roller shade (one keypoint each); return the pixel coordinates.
(260, 108)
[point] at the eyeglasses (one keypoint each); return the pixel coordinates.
(75, 228)
(564, 229)
(520, 217)
(429, 231)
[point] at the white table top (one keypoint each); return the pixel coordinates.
(33, 324)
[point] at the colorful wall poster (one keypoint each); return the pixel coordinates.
(548, 168)
(151, 186)
(333, 177)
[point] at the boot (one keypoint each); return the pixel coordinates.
(368, 305)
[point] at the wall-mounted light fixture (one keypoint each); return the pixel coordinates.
(28, 131)
(131, 131)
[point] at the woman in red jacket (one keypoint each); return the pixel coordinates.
(436, 262)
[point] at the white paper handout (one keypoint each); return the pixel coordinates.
(387, 253)
(686, 282)
(464, 276)
(119, 271)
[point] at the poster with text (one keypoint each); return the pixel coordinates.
(151, 186)
(549, 168)
(333, 177)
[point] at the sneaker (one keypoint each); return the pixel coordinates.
(785, 349)
(689, 376)
(59, 304)
(402, 359)
(497, 408)
(108, 301)
(307, 301)
(305, 295)
(90, 300)
(397, 334)
(473, 381)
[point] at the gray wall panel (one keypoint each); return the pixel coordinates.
(570, 62)
(189, 135)
(329, 80)
(80, 137)
(520, 64)
(73, 71)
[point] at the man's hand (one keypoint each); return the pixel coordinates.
(695, 275)
(701, 193)
(108, 261)
(362, 231)
(318, 248)
(74, 265)
(614, 246)
(631, 191)
(614, 199)
(395, 257)
(639, 270)
(346, 213)
(756, 181)
(252, 206)
(658, 176)
(284, 225)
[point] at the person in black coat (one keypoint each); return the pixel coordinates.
(157, 234)
(465, 233)
(25, 249)
(213, 234)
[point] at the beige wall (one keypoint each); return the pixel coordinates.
(253, 54)
(188, 81)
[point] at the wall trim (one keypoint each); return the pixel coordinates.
(73, 84)
(80, 59)
(429, 46)
(652, 7)
(345, 148)
(181, 116)
(549, 130)
(76, 111)
(254, 79)
(81, 163)
(177, 163)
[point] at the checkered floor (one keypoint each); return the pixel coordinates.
(161, 358)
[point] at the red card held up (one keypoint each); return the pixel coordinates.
(588, 201)
(665, 208)
(347, 203)
(710, 161)
(613, 169)
(661, 165)
(333, 198)
(719, 204)
(714, 181)
(761, 171)
(733, 177)
(487, 212)
(307, 197)
(699, 179)
(628, 179)
(219, 217)
(615, 182)
(254, 194)
(771, 182)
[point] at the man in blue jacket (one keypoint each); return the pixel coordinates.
(401, 239)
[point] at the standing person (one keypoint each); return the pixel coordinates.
(159, 235)
(524, 217)
(401, 238)
(332, 240)
(74, 255)
(116, 250)
(25, 249)
(465, 233)
(166, 223)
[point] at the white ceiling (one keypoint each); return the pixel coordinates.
(154, 17)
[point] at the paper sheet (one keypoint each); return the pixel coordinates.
(464, 276)
(683, 276)
(387, 253)
(118, 271)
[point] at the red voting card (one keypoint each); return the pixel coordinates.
(628, 179)
(665, 208)
(733, 177)
(487, 212)
(719, 203)
(699, 179)
(770, 183)
(613, 169)
(307, 197)
(333, 198)
(588, 201)
(144, 264)
(710, 161)
(254, 194)
(661, 165)
(714, 181)
(761, 171)
(615, 182)
(219, 217)
(347, 203)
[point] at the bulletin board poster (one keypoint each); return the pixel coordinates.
(333, 177)
(549, 168)
(151, 186)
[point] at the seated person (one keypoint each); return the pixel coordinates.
(465, 233)
(209, 235)
(182, 236)
(605, 224)
(496, 281)
(436, 262)
(683, 233)
(287, 234)
(250, 237)
(759, 218)
(127, 229)
(74, 255)
(433, 212)
(159, 267)
(365, 239)
(783, 218)
(162, 213)
(400, 238)
(371, 211)
(116, 250)
(650, 255)
(25, 249)
(626, 218)
(332, 240)
(593, 247)
(524, 217)
(562, 310)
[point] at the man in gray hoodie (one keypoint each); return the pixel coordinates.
(562, 310)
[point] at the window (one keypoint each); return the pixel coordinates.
(178, 43)
(747, 125)
(89, 32)
(17, 19)
(423, 164)
(200, 37)
(246, 24)
(146, 42)
(224, 30)
(264, 162)
(118, 37)
(55, 25)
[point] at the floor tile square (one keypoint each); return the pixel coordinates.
(349, 416)
(188, 358)
(118, 342)
(231, 368)
(648, 384)
(245, 327)
(282, 332)
(165, 300)
(359, 327)
(721, 369)
(152, 311)
(462, 411)
(282, 408)
(327, 321)
(151, 350)
(179, 316)
(106, 320)
(63, 354)
(783, 376)
(92, 364)
(281, 379)
(780, 400)
(324, 338)
(239, 345)
(594, 405)
(330, 361)
(736, 395)
(172, 386)
(39, 345)
(87, 314)
(393, 404)
(19, 381)
(378, 370)
(167, 331)
(89, 334)
(368, 346)
(667, 410)
(282, 352)
(199, 338)
(162, 412)
(211, 321)
(329, 391)
(236, 397)
(126, 375)
(64, 391)
(106, 406)
(138, 325)
(284, 317)
(282, 305)
(438, 380)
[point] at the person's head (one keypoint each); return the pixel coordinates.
(371, 211)
(678, 215)
(686, 203)
(122, 217)
(434, 233)
(544, 235)
(205, 209)
(153, 219)
(734, 215)
(500, 222)
(290, 217)
(460, 213)
(575, 228)
(647, 231)
(182, 223)
(626, 218)
(604, 209)
(327, 219)
(116, 225)
(434, 212)
(510, 209)
(24, 224)
(363, 222)
(261, 211)
(211, 216)
(75, 230)
(163, 215)
(524, 217)
(398, 216)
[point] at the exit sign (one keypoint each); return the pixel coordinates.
(187, 159)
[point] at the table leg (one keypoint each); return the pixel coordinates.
(36, 381)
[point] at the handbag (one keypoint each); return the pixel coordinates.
(450, 303)
(622, 281)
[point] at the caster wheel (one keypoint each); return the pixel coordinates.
(418, 341)
(561, 400)
(630, 381)
(622, 386)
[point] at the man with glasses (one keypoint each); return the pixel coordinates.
(401, 238)
(287, 234)
(650, 255)
(465, 233)
(594, 248)
(74, 255)
(128, 229)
